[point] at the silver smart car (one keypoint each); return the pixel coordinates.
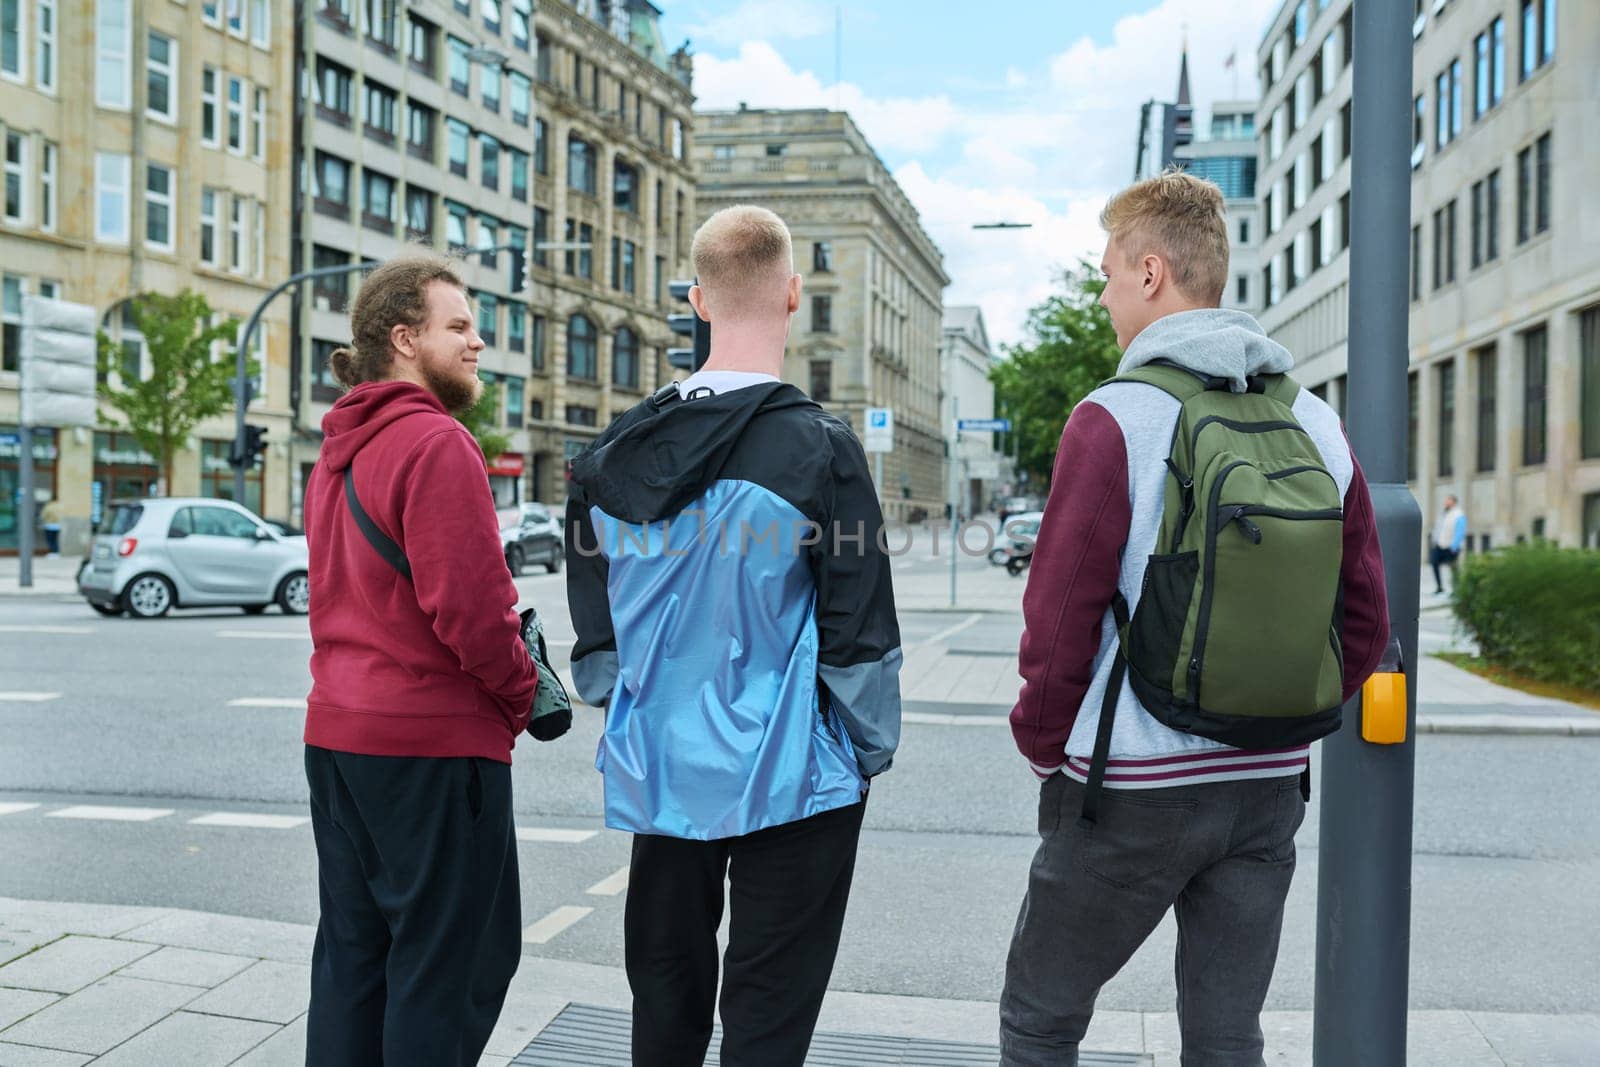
(160, 553)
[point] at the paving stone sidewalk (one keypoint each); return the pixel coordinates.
(89, 983)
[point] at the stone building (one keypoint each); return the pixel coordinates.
(145, 149)
(969, 394)
(870, 328)
(1226, 155)
(464, 127)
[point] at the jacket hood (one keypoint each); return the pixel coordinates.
(365, 411)
(668, 451)
(1214, 342)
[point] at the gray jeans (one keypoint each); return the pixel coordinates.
(1221, 853)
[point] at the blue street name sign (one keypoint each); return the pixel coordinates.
(984, 425)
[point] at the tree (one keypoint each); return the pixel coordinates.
(187, 383)
(1071, 349)
(482, 421)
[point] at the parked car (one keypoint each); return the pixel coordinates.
(1018, 505)
(531, 533)
(1016, 538)
(159, 553)
(284, 529)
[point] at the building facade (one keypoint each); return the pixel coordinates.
(870, 329)
(147, 149)
(1504, 352)
(969, 394)
(1227, 156)
(465, 128)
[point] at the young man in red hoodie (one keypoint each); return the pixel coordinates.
(420, 684)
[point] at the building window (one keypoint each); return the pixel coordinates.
(821, 380)
(208, 227)
(1419, 129)
(625, 187)
(581, 361)
(331, 185)
(822, 256)
(1413, 421)
(488, 240)
(491, 14)
(16, 206)
(625, 359)
(543, 68)
(381, 106)
(1489, 54)
(517, 331)
(258, 125)
(1448, 104)
(519, 175)
(521, 21)
(541, 147)
(331, 291)
(458, 137)
(1538, 35)
(1486, 408)
(1447, 419)
(540, 331)
(422, 43)
(10, 323)
(541, 237)
(378, 201)
(490, 171)
(161, 62)
(419, 214)
(1244, 231)
(521, 91)
(1241, 289)
(383, 24)
(580, 165)
(13, 44)
(455, 223)
(1541, 199)
(158, 207)
(111, 198)
(236, 237)
(419, 131)
(236, 115)
(488, 318)
(325, 388)
(489, 87)
(460, 66)
(113, 37)
(822, 314)
(580, 253)
(1491, 243)
(629, 268)
(579, 415)
(1535, 355)
(261, 22)
(1591, 521)
(1589, 382)
(47, 187)
(1344, 126)
(516, 399)
(334, 94)
(1416, 262)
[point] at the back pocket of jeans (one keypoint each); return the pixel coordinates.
(1155, 634)
(1135, 838)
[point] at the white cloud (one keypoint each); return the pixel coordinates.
(1045, 146)
(768, 19)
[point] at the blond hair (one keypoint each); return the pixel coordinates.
(1180, 218)
(742, 255)
(396, 294)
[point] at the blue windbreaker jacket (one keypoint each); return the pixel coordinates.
(734, 613)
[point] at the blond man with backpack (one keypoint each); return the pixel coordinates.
(1206, 592)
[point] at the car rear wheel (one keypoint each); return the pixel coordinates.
(149, 596)
(253, 609)
(294, 594)
(515, 560)
(553, 564)
(105, 609)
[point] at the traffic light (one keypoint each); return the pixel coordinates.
(689, 325)
(255, 446)
(521, 275)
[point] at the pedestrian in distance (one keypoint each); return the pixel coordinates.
(421, 681)
(1449, 536)
(735, 616)
(1206, 592)
(50, 519)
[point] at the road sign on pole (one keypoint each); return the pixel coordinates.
(880, 430)
(983, 425)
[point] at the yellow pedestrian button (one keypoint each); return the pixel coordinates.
(1383, 700)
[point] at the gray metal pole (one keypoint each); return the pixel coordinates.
(955, 504)
(1364, 854)
(25, 508)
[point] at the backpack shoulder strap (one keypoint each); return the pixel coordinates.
(1176, 382)
(382, 542)
(1279, 387)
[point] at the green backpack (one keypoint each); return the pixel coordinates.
(1235, 636)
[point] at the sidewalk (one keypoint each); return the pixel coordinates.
(51, 577)
(82, 983)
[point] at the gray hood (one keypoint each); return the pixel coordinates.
(1215, 342)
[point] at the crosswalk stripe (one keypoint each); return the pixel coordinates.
(928, 719)
(13, 628)
(610, 885)
(268, 702)
(21, 697)
(244, 818)
(95, 811)
(551, 925)
(266, 635)
(11, 808)
(553, 835)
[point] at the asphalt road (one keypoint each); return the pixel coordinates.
(1507, 852)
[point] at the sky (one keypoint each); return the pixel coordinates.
(1019, 111)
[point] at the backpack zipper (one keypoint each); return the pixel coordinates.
(1203, 619)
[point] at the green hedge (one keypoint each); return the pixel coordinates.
(1535, 609)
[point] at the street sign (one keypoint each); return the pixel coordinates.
(984, 425)
(880, 430)
(58, 363)
(10, 439)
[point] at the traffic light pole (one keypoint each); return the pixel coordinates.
(1364, 854)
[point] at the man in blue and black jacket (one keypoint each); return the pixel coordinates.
(735, 616)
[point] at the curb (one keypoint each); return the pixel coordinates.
(1510, 725)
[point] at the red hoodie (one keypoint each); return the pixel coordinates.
(433, 665)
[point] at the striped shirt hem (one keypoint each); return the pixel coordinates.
(1194, 768)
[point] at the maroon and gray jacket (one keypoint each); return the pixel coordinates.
(1101, 523)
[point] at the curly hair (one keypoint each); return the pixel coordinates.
(1180, 218)
(395, 294)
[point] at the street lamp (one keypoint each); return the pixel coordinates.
(489, 57)
(1002, 225)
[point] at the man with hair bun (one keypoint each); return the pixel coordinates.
(421, 682)
(734, 615)
(1138, 817)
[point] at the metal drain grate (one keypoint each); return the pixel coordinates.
(587, 1036)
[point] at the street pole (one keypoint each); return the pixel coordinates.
(25, 507)
(955, 510)
(1364, 853)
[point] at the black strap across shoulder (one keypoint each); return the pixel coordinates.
(379, 540)
(1108, 711)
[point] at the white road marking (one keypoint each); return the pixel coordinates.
(549, 834)
(11, 628)
(927, 719)
(94, 811)
(551, 925)
(949, 632)
(13, 807)
(266, 635)
(268, 702)
(610, 885)
(244, 818)
(27, 698)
